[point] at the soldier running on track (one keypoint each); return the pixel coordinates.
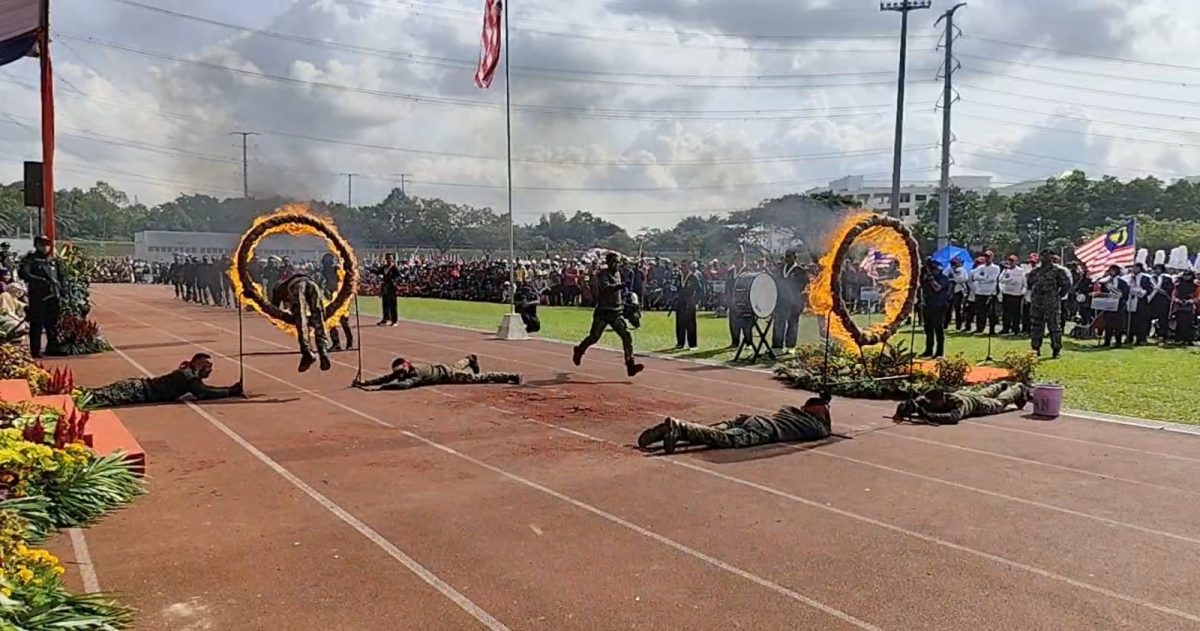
(608, 314)
(938, 407)
(790, 424)
(187, 379)
(406, 375)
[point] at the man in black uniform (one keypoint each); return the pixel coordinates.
(189, 279)
(736, 324)
(691, 289)
(406, 375)
(187, 379)
(329, 273)
(609, 307)
(389, 276)
(791, 279)
(176, 272)
(44, 282)
(225, 268)
(790, 424)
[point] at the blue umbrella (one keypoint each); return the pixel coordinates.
(944, 255)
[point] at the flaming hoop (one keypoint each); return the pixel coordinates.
(890, 237)
(293, 219)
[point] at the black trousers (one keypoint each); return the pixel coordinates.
(391, 308)
(685, 325)
(609, 319)
(1012, 314)
(1139, 324)
(958, 311)
(985, 312)
(43, 317)
(786, 327)
(934, 321)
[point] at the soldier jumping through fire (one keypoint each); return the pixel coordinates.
(406, 375)
(790, 424)
(305, 301)
(187, 379)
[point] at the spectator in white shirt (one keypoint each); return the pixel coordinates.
(959, 306)
(985, 283)
(1012, 294)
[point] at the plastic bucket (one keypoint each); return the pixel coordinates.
(1047, 400)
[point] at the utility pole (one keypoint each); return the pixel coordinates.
(245, 163)
(349, 189)
(903, 6)
(403, 178)
(950, 66)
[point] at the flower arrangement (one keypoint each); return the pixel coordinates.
(16, 363)
(78, 335)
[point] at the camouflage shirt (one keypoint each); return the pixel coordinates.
(421, 375)
(1048, 285)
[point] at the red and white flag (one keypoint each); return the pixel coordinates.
(489, 52)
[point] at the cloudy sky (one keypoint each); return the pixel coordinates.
(642, 111)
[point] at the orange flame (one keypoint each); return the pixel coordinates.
(295, 229)
(889, 242)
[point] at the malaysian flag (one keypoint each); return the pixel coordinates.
(489, 52)
(1115, 247)
(876, 261)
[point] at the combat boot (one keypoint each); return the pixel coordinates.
(633, 369)
(473, 363)
(577, 355)
(655, 434)
(307, 359)
(514, 379)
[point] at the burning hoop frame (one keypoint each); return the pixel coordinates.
(890, 236)
(294, 219)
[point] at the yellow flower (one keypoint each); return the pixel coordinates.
(6, 591)
(25, 574)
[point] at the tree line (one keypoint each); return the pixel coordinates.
(1060, 214)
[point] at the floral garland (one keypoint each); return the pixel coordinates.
(295, 220)
(911, 260)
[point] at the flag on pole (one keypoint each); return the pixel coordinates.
(1115, 247)
(489, 52)
(876, 261)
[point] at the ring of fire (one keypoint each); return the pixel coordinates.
(294, 219)
(889, 236)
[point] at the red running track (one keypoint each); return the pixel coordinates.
(314, 506)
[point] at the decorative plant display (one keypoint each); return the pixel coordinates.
(77, 334)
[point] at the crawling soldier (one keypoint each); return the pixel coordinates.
(187, 379)
(305, 301)
(938, 407)
(406, 375)
(790, 424)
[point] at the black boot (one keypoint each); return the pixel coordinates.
(307, 359)
(633, 369)
(577, 355)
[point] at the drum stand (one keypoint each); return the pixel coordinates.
(748, 338)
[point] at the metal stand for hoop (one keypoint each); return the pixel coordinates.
(241, 347)
(358, 333)
(762, 345)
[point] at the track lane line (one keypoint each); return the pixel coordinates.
(858, 461)
(729, 478)
(366, 531)
(379, 540)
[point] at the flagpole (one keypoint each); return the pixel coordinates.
(512, 241)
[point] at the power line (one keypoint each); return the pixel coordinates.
(1080, 72)
(1055, 84)
(580, 112)
(994, 121)
(1122, 110)
(530, 71)
(1067, 160)
(1087, 120)
(1058, 51)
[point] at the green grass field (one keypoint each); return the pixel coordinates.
(1148, 382)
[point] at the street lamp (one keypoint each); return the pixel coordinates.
(903, 7)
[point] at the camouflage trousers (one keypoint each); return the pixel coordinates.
(123, 392)
(307, 305)
(789, 424)
(994, 399)
(1042, 319)
(343, 322)
(460, 373)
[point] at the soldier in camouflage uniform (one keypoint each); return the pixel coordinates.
(304, 299)
(790, 424)
(405, 375)
(187, 379)
(938, 407)
(1048, 284)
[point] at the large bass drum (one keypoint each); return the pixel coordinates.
(755, 294)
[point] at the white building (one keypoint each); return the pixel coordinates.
(162, 246)
(877, 194)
